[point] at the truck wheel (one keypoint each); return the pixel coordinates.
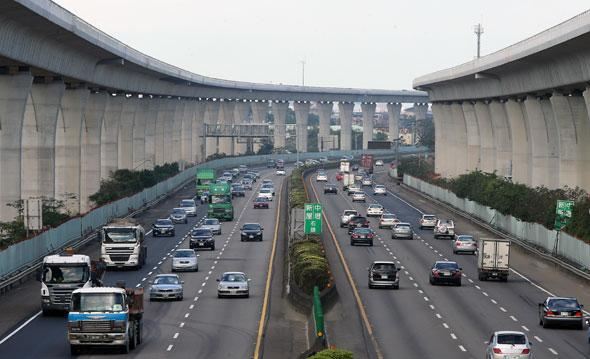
(481, 276)
(126, 348)
(133, 338)
(74, 350)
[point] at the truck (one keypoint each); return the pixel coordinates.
(347, 180)
(220, 205)
(493, 259)
(280, 164)
(105, 316)
(367, 163)
(123, 244)
(344, 166)
(205, 176)
(60, 275)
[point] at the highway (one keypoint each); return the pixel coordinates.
(424, 321)
(199, 326)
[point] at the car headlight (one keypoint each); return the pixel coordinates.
(244, 234)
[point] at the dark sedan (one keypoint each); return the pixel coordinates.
(330, 188)
(202, 238)
(356, 222)
(238, 191)
(261, 202)
(163, 227)
(561, 311)
(251, 232)
(362, 235)
(445, 272)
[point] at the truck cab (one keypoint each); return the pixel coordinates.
(220, 202)
(123, 244)
(60, 275)
(205, 176)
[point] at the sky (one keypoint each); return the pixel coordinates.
(379, 44)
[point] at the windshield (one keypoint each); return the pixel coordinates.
(563, 304)
(511, 339)
(166, 280)
(388, 216)
(363, 230)
(350, 213)
(211, 221)
(202, 233)
(446, 265)
(216, 199)
(202, 182)
(184, 254)
(265, 190)
(260, 199)
(178, 211)
(97, 302)
(251, 227)
(430, 218)
(375, 206)
(238, 188)
(163, 222)
(403, 226)
(379, 186)
(233, 278)
(187, 203)
(384, 266)
(465, 238)
(56, 273)
(119, 235)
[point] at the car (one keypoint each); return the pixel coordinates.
(402, 230)
(354, 168)
(353, 188)
(444, 229)
(379, 189)
(323, 159)
(280, 172)
(388, 220)
(359, 197)
(238, 191)
(235, 172)
(243, 168)
(427, 221)
(445, 272)
(358, 176)
(267, 181)
(379, 163)
(189, 206)
(509, 344)
(178, 215)
(247, 183)
(367, 181)
(330, 188)
(202, 238)
(251, 232)
(166, 286)
(362, 235)
(256, 173)
(321, 177)
(346, 216)
(213, 224)
(233, 284)
(339, 176)
(356, 222)
(311, 162)
(464, 243)
(204, 197)
(270, 164)
(374, 210)
(299, 164)
(383, 274)
(561, 311)
(163, 227)
(185, 259)
(261, 202)
(269, 186)
(265, 193)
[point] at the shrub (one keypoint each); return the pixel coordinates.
(309, 265)
(333, 354)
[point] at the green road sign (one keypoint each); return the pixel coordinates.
(313, 218)
(563, 212)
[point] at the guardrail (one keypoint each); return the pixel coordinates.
(318, 314)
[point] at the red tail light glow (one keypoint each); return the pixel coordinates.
(578, 314)
(497, 351)
(550, 313)
(526, 351)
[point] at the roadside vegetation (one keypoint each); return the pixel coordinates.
(333, 354)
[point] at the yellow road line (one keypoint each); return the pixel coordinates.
(357, 296)
(268, 280)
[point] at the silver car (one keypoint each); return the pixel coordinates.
(359, 197)
(509, 344)
(388, 220)
(178, 215)
(427, 221)
(233, 284)
(166, 286)
(346, 216)
(185, 259)
(402, 230)
(247, 183)
(383, 274)
(464, 243)
(213, 224)
(379, 189)
(189, 206)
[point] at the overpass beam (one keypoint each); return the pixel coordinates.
(301, 120)
(125, 140)
(345, 109)
(584, 132)
(394, 110)
(368, 109)
(139, 157)
(14, 92)
(226, 117)
(502, 137)
(324, 114)
(521, 147)
(241, 113)
(211, 118)
(68, 147)
(109, 136)
(279, 112)
(91, 144)
(486, 137)
(473, 137)
(198, 148)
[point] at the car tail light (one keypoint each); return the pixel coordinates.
(457, 274)
(435, 273)
(526, 351)
(497, 351)
(550, 313)
(355, 236)
(578, 314)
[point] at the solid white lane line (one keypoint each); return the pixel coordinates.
(21, 326)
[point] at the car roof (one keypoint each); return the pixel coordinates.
(509, 332)
(403, 223)
(187, 199)
(184, 250)
(375, 205)
(558, 298)
(167, 275)
(224, 273)
(163, 219)
(442, 262)
(383, 262)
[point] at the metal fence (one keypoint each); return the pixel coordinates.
(568, 247)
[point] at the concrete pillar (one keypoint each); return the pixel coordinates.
(211, 118)
(473, 137)
(486, 137)
(91, 153)
(393, 111)
(259, 113)
(544, 162)
(125, 141)
(177, 119)
(420, 111)
(441, 145)
(109, 136)
(450, 144)
(279, 112)
(163, 120)
(368, 114)
(241, 113)
(345, 110)
(139, 133)
(502, 137)
(68, 147)
(151, 120)
(38, 140)
(14, 92)
(460, 141)
(521, 155)
(301, 120)
(170, 106)
(198, 149)
(186, 136)
(226, 118)
(325, 114)
(584, 132)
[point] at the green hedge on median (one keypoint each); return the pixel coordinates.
(309, 265)
(297, 196)
(333, 354)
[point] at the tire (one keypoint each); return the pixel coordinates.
(544, 324)
(580, 326)
(482, 277)
(396, 287)
(370, 286)
(197, 268)
(454, 251)
(421, 227)
(247, 295)
(431, 281)
(126, 348)
(371, 243)
(185, 221)
(352, 243)
(133, 342)
(74, 350)
(241, 239)
(458, 284)
(213, 247)
(47, 312)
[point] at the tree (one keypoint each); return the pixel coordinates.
(425, 134)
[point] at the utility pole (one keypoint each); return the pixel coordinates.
(478, 30)
(302, 72)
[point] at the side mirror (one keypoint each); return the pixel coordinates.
(460, 268)
(531, 343)
(262, 228)
(217, 280)
(181, 282)
(198, 255)
(486, 342)
(249, 280)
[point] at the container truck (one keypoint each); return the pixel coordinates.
(493, 259)
(105, 316)
(123, 244)
(347, 180)
(220, 205)
(367, 163)
(205, 176)
(344, 166)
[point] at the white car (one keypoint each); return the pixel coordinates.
(346, 216)
(379, 163)
(374, 210)
(280, 172)
(243, 168)
(353, 188)
(265, 193)
(185, 259)
(367, 181)
(189, 206)
(233, 284)
(359, 197)
(380, 189)
(427, 221)
(388, 220)
(444, 229)
(270, 187)
(358, 176)
(321, 177)
(508, 344)
(213, 224)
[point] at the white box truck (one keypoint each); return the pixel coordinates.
(493, 259)
(347, 180)
(344, 166)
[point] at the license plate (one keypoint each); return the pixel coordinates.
(446, 274)
(250, 236)
(383, 276)
(564, 314)
(201, 244)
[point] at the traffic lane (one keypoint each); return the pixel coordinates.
(516, 300)
(227, 327)
(403, 308)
